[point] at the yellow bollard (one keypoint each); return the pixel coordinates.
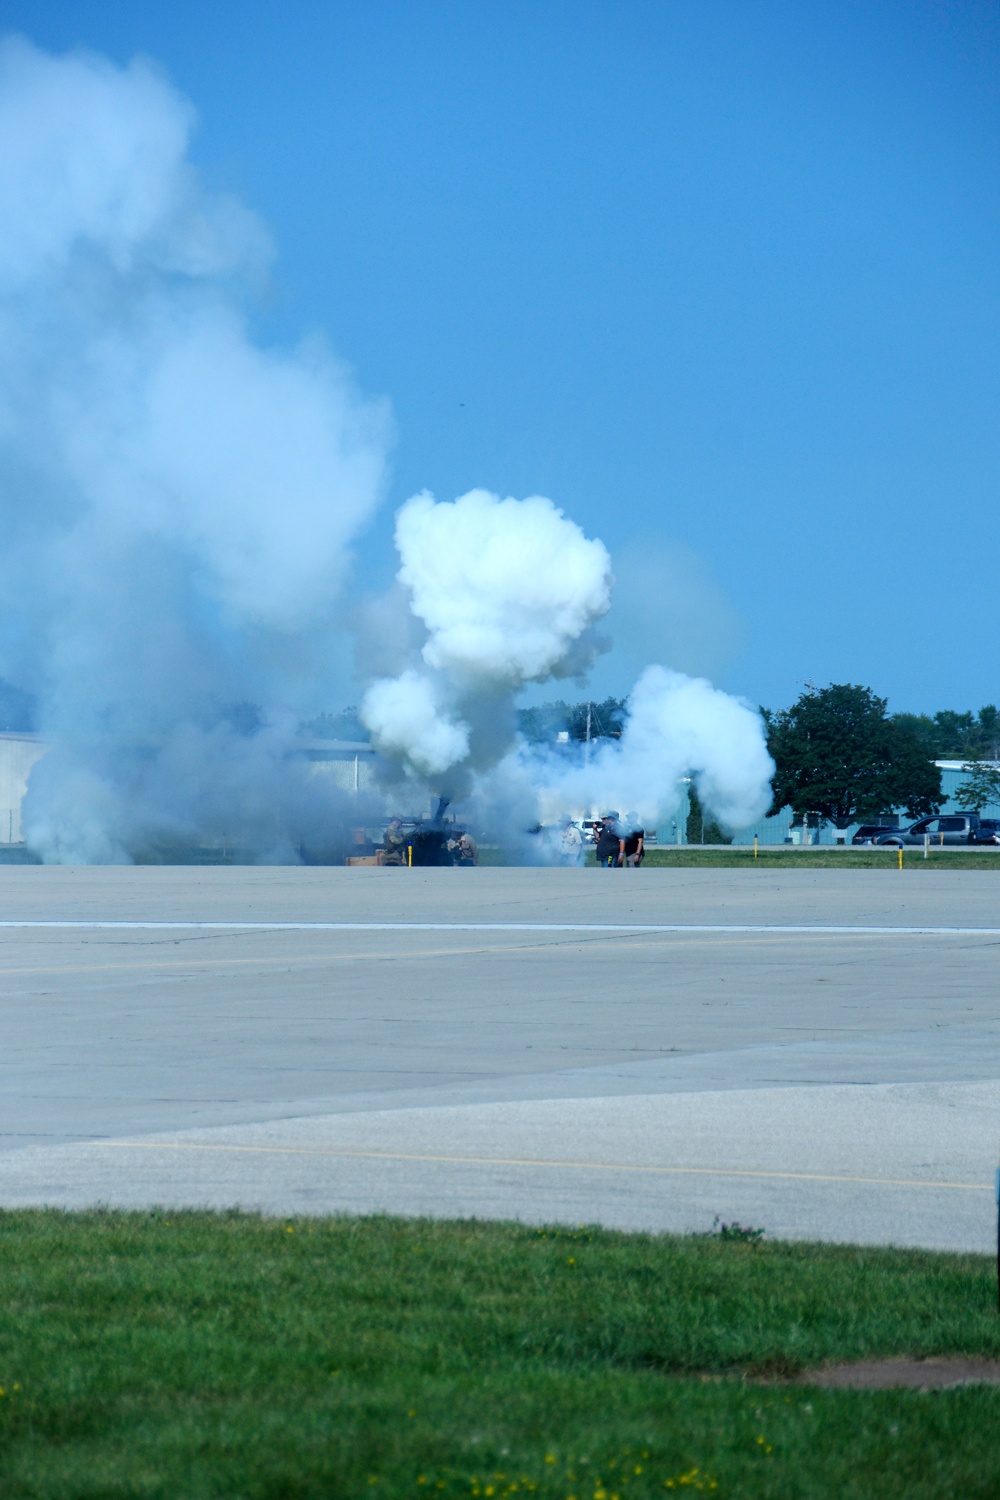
(755, 846)
(900, 856)
(409, 856)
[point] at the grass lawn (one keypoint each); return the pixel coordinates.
(192, 1355)
(786, 856)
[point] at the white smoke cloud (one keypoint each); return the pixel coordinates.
(92, 157)
(178, 503)
(677, 727)
(508, 591)
(505, 587)
(405, 719)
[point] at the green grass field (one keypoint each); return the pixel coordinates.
(787, 856)
(191, 1355)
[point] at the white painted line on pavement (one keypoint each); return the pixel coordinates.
(517, 1161)
(819, 929)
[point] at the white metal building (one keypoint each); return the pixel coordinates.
(18, 753)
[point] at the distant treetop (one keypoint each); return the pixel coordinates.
(838, 753)
(541, 725)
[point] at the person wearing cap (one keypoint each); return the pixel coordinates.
(610, 844)
(570, 842)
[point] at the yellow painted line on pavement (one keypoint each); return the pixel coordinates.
(518, 1161)
(285, 960)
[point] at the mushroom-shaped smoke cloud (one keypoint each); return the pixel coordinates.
(508, 591)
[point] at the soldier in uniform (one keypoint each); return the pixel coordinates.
(466, 851)
(395, 843)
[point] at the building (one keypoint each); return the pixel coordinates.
(349, 764)
(784, 827)
(18, 753)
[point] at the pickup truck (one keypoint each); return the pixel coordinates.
(949, 828)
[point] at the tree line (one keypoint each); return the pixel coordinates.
(839, 754)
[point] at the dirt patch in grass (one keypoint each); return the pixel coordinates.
(905, 1374)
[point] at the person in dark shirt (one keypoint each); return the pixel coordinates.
(634, 847)
(609, 842)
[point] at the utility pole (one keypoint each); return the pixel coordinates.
(586, 753)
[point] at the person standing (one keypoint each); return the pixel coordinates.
(634, 846)
(570, 847)
(610, 843)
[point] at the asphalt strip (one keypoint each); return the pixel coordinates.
(640, 927)
(527, 1161)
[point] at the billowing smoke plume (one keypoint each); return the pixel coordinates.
(678, 727)
(179, 505)
(508, 591)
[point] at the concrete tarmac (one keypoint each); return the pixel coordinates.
(824, 1083)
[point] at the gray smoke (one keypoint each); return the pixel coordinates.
(178, 503)
(179, 506)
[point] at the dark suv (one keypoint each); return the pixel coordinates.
(949, 828)
(871, 833)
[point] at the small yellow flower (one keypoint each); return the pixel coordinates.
(550, 1458)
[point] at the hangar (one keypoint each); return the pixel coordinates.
(349, 764)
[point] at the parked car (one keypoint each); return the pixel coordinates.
(870, 833)
(988, 831)
(949, 828)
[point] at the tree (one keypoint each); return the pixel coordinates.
(839, 754)
(541, 724)
(981, 788)
(343, 726)
(955, 736)
(17, 708)
(701, 829)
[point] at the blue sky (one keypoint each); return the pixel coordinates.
(722, 280)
